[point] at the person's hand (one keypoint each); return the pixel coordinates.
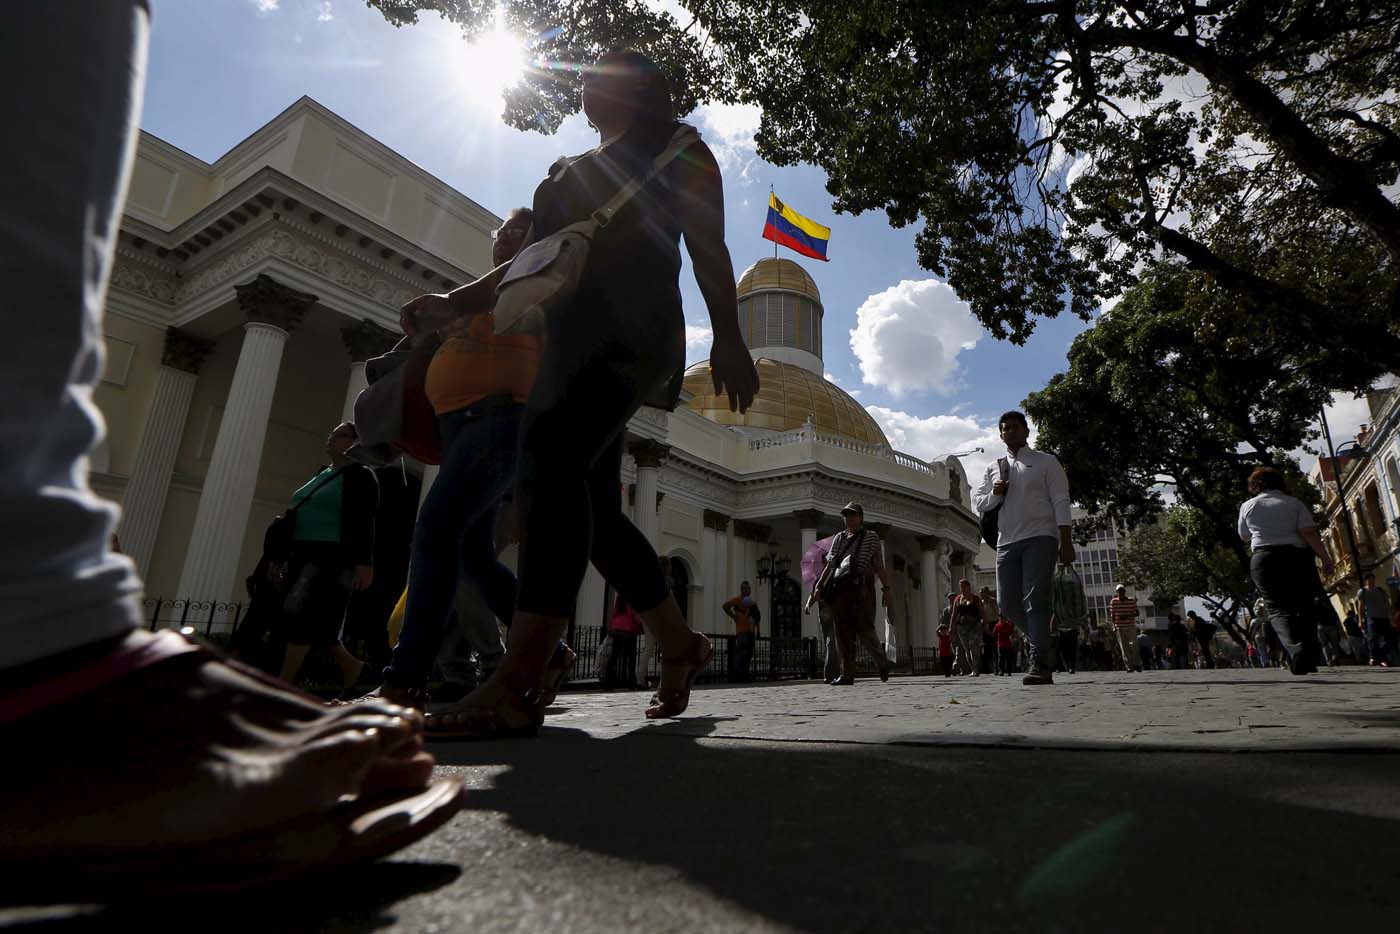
(364, 577)
(733, 372)
(1066, 552)
(426, 313)
(999, 488)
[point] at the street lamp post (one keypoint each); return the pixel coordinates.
(1342, 498)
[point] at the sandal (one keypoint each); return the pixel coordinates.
(520, 718)
(416, 698)
(672, 702)
(556, 674)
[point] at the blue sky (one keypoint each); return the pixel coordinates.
(896, 337)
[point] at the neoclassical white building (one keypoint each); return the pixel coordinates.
(247, 293)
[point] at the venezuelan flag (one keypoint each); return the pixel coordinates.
(786, 227)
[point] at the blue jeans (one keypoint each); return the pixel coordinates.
(1025, 574)
(455, 534)
(75, 72)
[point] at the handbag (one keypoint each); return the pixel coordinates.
(989, 519)
(545, 275)
(844, 574)
(393, 416)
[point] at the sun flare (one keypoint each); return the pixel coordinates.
(483, 70)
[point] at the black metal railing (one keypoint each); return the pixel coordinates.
(209, 618)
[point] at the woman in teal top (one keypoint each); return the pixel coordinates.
(332, 554)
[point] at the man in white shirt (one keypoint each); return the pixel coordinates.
(1033, 531)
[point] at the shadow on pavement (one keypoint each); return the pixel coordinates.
(872, 838)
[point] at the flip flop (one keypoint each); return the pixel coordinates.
(354, 832)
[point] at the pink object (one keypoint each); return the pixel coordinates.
(814, 560)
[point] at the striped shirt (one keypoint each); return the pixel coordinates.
(868, 557)
(1123, 612)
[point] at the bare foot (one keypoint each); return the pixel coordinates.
(191, 752)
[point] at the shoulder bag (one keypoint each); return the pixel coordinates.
(392, 414)
(546, 274)
(844, 574)
(989, 519)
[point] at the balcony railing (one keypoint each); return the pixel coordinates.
(807, 434)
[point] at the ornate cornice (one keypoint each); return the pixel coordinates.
(367, 339)
(184, 351)
(268, 301)
(716, 520)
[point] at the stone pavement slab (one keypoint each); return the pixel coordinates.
(1224, 710)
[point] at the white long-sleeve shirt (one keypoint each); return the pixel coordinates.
(1036, 503)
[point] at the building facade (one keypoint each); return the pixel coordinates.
(248, 293)
(1362, 487)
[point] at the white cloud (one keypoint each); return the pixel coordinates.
(937, 436)
(729, 130)
(698, 338)
(266, 6)
(325, 13)
(908, 337)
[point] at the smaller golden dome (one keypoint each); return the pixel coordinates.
(773, 273)
(787, 396)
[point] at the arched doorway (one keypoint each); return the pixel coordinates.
(787, 609)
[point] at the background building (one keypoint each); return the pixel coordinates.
(248, 293)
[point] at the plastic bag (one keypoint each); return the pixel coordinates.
(1067, 601)
(891, 650)
(604, 657)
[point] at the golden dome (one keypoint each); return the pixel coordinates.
(787, 395)
(773, 273)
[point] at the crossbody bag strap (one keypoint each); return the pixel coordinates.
(682, 138)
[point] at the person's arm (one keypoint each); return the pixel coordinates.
(1314, 540)
(359, 502)
(1057, 485)
(437, 309)
(727, 607)
(700, 210)
(986, 498)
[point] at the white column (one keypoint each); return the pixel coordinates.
(144, 501)
(356, 385)
(930, 591)
(648, 456)
(588, 610)
(811, 622)
(707, 606)
(211, 565)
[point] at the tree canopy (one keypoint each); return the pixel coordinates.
(1051, 150)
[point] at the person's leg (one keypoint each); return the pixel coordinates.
(1274, 574)
(454, 538)
(1037, 577)
(350, 667)
(455, 662)
(292, 660)
(866, 633)
(1069, 645)
(62, 193)
(843, 614)
(230, 756)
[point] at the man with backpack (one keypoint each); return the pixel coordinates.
(1030, 495)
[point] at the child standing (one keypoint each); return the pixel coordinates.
(1003, 631)
(945, 650)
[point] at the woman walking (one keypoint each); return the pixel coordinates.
(332, 554)
(1283, 535)
(617, 344)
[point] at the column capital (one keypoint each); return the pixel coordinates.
(751, 530)
(881, 529)
(929, 543)
(268, 301)
(367, 339)
(184, 351)
(716, 520)
(808, 518)
(649, 453)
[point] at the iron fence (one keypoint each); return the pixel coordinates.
(212, 619)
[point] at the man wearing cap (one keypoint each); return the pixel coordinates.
(847, 583)
(1033, 530)
(1123, 612)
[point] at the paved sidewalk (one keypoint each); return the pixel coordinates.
(1099, 805)
(1225, 710)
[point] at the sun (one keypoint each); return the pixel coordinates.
(485, 69)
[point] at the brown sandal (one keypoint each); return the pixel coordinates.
(557, 673)
(672, 702)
